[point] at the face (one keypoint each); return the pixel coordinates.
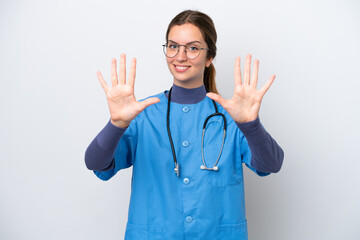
(188, 73)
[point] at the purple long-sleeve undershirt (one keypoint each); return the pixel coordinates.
(100, 152)
(266, 154)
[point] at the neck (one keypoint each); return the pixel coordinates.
(183, 95)
(188, 84)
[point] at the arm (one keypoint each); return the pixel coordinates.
(243, 107)
(100, 152)
(266, 155)
(123, 108)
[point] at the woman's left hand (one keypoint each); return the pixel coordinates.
(244, 106)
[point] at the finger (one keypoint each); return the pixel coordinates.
(267, 85)
(114, 78)
(237, 72)
(102, 82)
(247, 69)
(217, 98)
(132, 74)
(122, 70)
(254, 76)
(144, 104)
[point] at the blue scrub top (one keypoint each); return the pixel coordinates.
(200, 204)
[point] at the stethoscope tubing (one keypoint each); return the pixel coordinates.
(203, 167)
(176, 169)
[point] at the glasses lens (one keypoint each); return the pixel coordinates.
(192, 51)
(170, 50)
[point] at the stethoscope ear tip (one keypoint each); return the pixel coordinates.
(215, 168)
(202, 167)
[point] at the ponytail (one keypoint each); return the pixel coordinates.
(209, 79)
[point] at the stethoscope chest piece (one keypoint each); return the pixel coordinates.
(215, 168)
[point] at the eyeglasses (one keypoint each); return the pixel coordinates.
(192, 51)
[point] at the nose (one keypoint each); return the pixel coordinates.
(181, 56)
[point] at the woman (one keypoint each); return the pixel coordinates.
(187, 183)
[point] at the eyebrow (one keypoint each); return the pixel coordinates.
(186, 43)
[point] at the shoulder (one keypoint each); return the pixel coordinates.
(154, 108)
(158, 95)
(223, 111)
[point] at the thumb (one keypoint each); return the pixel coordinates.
(217, 98)
(144, 104)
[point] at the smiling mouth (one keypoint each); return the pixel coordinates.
(181, 68)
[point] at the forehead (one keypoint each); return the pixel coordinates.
(185, 33)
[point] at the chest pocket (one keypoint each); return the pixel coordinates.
(229, 168)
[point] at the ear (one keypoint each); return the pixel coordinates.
(208, 62)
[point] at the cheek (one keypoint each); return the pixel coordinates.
(200, 63)
(201, 60)
(169, 61)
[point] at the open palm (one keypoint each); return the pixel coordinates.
(122, 103)
(245, 104)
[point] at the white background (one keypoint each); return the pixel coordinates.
(52, 106)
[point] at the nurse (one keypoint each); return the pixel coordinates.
(194, 203)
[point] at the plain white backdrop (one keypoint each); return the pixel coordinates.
(52, 106)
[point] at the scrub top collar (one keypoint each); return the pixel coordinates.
(186, 95)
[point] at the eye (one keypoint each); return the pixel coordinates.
(172, 46)
(193, 48)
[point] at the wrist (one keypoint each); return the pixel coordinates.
(249, 124)
(119, 123)
(247, 120)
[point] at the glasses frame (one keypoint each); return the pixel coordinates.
(179, 45)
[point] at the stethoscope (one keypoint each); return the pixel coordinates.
(203, 166)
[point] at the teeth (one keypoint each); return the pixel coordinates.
(181, 67)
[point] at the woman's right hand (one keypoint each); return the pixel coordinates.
(121, 99)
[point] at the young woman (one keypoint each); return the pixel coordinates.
(187, 146)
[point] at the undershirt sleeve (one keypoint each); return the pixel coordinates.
(266, 155)
(100, 152)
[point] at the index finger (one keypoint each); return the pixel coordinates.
(132, 74)
(237, 72)
(114, 77)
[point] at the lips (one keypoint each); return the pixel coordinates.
(180, 68)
